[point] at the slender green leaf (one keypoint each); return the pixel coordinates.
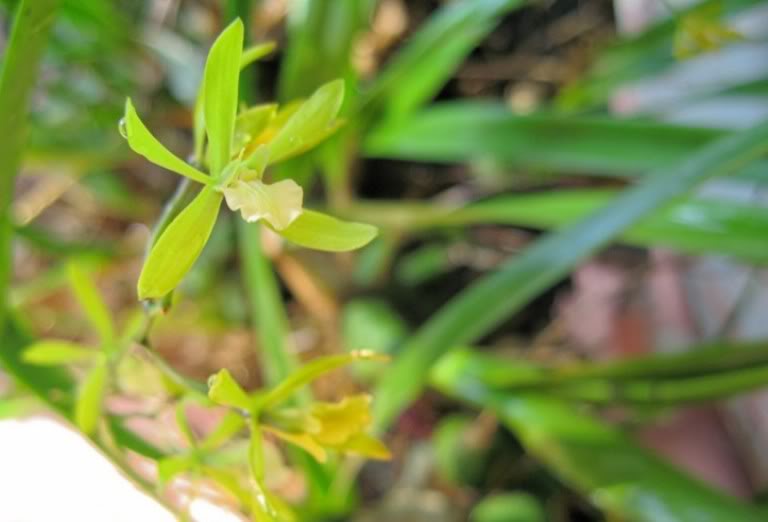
(54, 353)
(92, 303)
(90, 397)
(314, 121)
(431, 56)
(467, 131)
(632, 484)
(179, 246)
(658, 380)
(222, 71)
(323, 232)
(481, 307)
(21, 57)
(321, 36)
(144, 143)
(267, 309)
(694, 225)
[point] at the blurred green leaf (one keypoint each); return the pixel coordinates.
(53, 385)
(255, 52)
(467, 131)
(92, 303)
(508, 507)
(458, 460)
(267, 308)
(220, 83)
(144, 143)
(695, 225)
(431, 56)
(632, 483)
(312, 122)
(700, 374)
(371, 324)
(231, 424)
(482, 306)
(634, 57)
(169, 467)
(90, 397)
(55, 353)
(179, 246)
(423, 264)
(323, 232)
(321, 36)
(224, 389)
(22, 55)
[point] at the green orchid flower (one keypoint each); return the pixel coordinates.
(238, 149)
(318, 428)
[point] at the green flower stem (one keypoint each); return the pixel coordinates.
(29, 35)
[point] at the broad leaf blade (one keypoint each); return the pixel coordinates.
(179, 246)
(322, 232)
(481, 307)
(144, 143)
(222, 72)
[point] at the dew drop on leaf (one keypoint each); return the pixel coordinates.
(122, 126)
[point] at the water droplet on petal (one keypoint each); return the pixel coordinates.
(122, 126)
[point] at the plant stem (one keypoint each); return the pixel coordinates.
(29, 35)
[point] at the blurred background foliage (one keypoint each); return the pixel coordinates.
(569, 266)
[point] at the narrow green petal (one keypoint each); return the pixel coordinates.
(225, 390)
(90, 397)
(179, 245)
(92, 303)
(221, 78)
(314, 121)
(144, 143)
(323, 232)
(54, 353)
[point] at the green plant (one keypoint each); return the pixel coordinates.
(265, 159)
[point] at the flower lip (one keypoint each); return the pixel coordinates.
(279, 204)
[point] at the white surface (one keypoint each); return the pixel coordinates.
(48, 472)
